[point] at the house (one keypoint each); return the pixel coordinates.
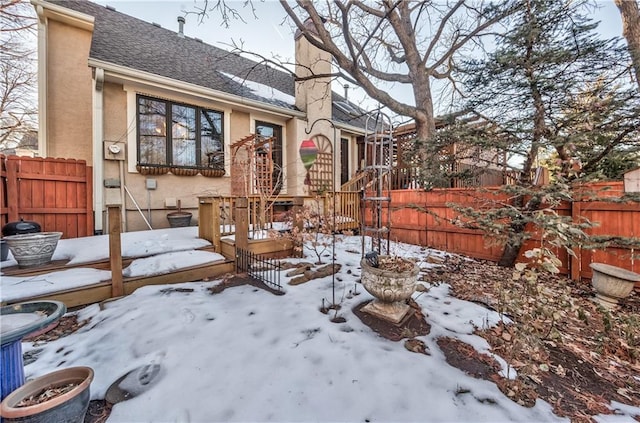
(632, 180)
(160, 115)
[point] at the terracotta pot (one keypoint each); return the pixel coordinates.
(391, 288)
(35, 249)
(70, 407)
(612, 283)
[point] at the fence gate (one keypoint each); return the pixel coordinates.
(56, 193)
(266, 270)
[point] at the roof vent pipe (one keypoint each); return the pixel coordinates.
(181, 22)
(346, 92)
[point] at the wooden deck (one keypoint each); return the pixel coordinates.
(103, 291)
(120, 286)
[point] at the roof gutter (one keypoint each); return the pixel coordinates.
(350, 128)
(62, 14)
(145, 78)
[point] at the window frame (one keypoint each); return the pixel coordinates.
(200, 162)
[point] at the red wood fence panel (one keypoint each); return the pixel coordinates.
(56, 193)
(434, 228)
(4, 212)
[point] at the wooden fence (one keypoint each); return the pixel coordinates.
(435, 228)
(56, 193)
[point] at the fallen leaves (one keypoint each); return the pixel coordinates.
(46, 395)
(566, 349)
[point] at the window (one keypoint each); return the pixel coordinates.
(268, 130)
(194, 139)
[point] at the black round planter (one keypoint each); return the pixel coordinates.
(21, 227)
(179, 219)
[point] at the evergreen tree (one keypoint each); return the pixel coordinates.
(552, 84)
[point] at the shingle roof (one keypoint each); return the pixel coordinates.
(128, 41)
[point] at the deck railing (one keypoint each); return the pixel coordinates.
(346, 208)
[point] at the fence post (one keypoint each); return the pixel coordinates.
(242, 223)
(12, 189)
(575, 263)
(115, 251)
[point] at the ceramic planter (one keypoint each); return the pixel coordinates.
(391, 288)
(35, 249)
(612, 283)
(70, 407)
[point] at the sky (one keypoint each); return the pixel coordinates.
(246, 355)
(268, 34)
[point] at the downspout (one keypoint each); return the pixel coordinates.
(42, 82)
(98, 136)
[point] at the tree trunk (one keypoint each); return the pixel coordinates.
(424, 118)
(630, 13)
(518, 223)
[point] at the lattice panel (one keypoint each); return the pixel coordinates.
(263, 183)
(321, 173)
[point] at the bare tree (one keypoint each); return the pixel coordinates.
(18, 109)
(630, 13)
(378, 43)
(394, 41)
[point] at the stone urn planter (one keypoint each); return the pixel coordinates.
(69, 391)
(612, 283)
(33, 249)
(390, 287)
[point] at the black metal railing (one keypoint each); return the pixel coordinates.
(266, 270)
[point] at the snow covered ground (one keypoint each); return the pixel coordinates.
(246, 355)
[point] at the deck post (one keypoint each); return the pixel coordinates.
(298, 222)
(215, 220)
(209, 220)
(115, 250)
(242, 223)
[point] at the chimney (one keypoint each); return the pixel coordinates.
(313, 95)
(346, 92)
(181, 22)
